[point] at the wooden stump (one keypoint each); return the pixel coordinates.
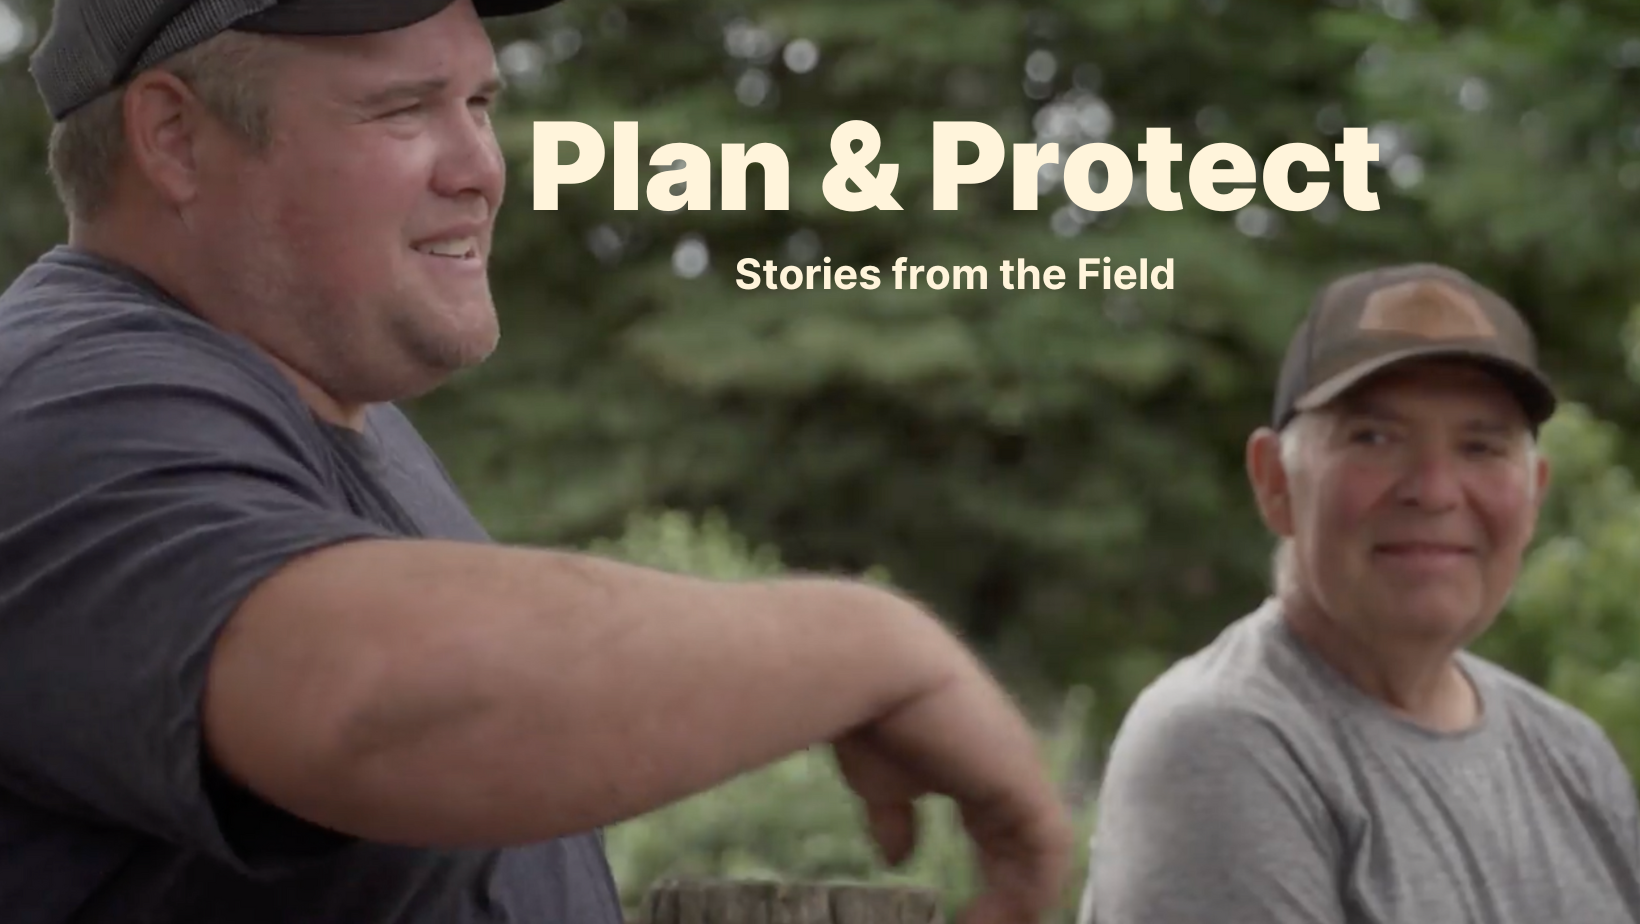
(732, 902)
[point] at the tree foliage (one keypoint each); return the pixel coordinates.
(1058, 471)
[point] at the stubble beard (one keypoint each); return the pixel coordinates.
(441, 340)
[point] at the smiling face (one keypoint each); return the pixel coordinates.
(356, 246)
(1410, 502)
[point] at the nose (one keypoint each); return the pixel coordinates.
(471, 161)
(1432, 480)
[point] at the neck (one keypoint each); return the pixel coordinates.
(163, 262)
(1421, 683)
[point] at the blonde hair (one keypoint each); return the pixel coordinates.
(231, 73)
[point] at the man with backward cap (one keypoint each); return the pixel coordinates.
(1337, 756)
(258, 662)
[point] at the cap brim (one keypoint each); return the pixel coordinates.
(363, 17)
(1531, 388)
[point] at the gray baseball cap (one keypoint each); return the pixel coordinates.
(93, 46)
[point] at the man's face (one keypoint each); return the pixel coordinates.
(1413, 503)
(369, 221)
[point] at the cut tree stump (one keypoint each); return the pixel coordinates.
(735, 902)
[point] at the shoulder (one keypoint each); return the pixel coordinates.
(75, 332)
(1217, 764)
(1528, 707)
(1545, 722)
(1561, 748)
(1249, 674)
(1240, 700)
(104, 383)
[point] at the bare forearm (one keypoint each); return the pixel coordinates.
(501, 695)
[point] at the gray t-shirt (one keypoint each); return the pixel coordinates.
(1251, 785)
(152, 470)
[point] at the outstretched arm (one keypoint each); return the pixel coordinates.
(435, 692)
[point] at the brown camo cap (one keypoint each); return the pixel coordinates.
(1363, 323)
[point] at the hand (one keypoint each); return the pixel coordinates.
(964, 739)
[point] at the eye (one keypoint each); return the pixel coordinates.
(402, 111)
(1367, 436)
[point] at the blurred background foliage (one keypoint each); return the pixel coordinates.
(1059, 473)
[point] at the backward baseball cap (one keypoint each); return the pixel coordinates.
(1364, 323)
(93, 46)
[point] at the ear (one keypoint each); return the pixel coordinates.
(1541, 474)
(1271, 488)
(163, 120)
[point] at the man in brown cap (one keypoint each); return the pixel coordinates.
(1338, 755)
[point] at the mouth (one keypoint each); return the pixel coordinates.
(1423, 552)
(451, 248)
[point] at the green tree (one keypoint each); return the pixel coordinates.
(1058, 471)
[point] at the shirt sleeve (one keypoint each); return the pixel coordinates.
(1205, 817)
(148, 481)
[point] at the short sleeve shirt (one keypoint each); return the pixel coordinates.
(1252, 782)
(153, 469)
